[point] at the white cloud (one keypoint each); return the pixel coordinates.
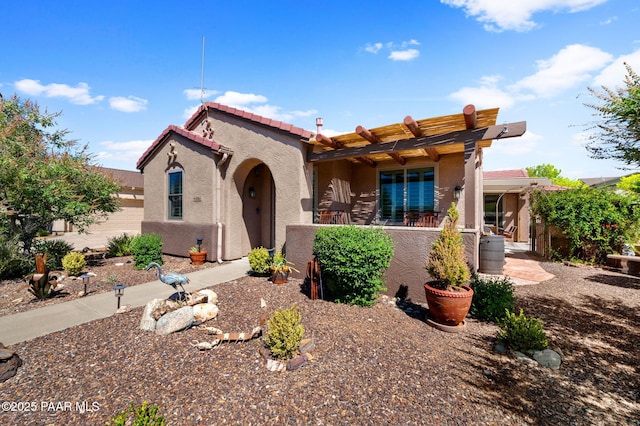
(396, 53)
(196, 94)
(404, 55)
(238, 100)
(499, 15)
(568, 68)
(122, 155)
(487, 95)
(129, 104)
(78, 95)
(613, 75)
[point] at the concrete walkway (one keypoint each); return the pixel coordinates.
(38, 322)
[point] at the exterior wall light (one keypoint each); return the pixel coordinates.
(457, 192)
(252, 192)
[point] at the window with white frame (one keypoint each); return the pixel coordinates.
(406, 191)
(175, 194)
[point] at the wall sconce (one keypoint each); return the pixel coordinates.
(85, 281)
(252, 192)
(457, 192)
(119, 290)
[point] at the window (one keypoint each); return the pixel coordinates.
(490, 201)
(175, 195)
(406, 191)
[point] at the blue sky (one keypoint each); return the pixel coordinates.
(122, 71)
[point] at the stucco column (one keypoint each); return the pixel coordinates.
(472, 197)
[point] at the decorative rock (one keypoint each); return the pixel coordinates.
(275, 365)
(163, 307)
(175, 321)
(548, 358)
(500, 347)
(123, 309)
(204, 312)
(9, 363)
(212, 297)
(196, 299)
(147, 321)
(307, 345)
(524, 358)
(297, 362)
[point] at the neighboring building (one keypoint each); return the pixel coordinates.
(509, 190)
(602, 182)
(131, 197)
(238, 180)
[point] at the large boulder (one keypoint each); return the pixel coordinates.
(177, 320)
(204, 312)
(9, 363)
(147, 321)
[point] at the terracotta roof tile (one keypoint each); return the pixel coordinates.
(278, 125)
(182, 132)
(505, 174)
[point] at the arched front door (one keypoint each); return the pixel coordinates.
(258, 207)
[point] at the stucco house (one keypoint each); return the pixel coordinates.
(239, 180)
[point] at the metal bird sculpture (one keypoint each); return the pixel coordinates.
(172, 278)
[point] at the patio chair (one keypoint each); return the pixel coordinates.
(510, 232)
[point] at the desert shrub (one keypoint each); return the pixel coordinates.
(55, 250)
(353, 261)
(12, 263)
(521, 333)
(119, 246)
(73, 263)
(447, 262)
(259, 261)
(491, 297)
(285, 332)
(145, 415)
(146, 248)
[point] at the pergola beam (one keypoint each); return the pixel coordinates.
(470, 117)
(325, 140)
(467, 137)
(417, 132)
(372, 138)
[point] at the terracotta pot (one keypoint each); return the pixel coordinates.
(198, 258)
(279, 276)
(448, 307)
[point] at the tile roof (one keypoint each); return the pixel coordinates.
(276, 124)
(505, 174)
(182, 132)
(126, 178)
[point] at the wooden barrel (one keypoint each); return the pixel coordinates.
(491, 254)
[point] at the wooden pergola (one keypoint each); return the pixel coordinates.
(431, 137)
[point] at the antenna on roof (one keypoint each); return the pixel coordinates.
(202, 75)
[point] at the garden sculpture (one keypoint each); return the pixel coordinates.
(172, 278)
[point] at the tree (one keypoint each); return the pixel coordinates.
(44, 177)
(630, 183)
(617, 133)
(550, 171)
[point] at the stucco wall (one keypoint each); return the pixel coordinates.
(406, 272)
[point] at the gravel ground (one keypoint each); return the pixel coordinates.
(371, 366)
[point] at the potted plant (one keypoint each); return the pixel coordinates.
(449, 295)
(197, 255)
(280, 268)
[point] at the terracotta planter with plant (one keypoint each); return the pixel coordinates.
(448, 295)
(279, 268)
(197, 255)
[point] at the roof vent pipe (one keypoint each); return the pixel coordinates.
(319, 124)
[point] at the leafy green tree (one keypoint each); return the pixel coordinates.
(595, 221)
(44, 176)
(616, 135)
(630, 183)
(550, 171)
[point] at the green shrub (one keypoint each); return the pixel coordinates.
(521, 333)
(55, 250)
(12, 263)
(73, 263)
(353, 261)
(259, 261)
(146, 248)
(145, 415)
(447, 262)
(491, 297)
(285, 332)
(119, 246)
